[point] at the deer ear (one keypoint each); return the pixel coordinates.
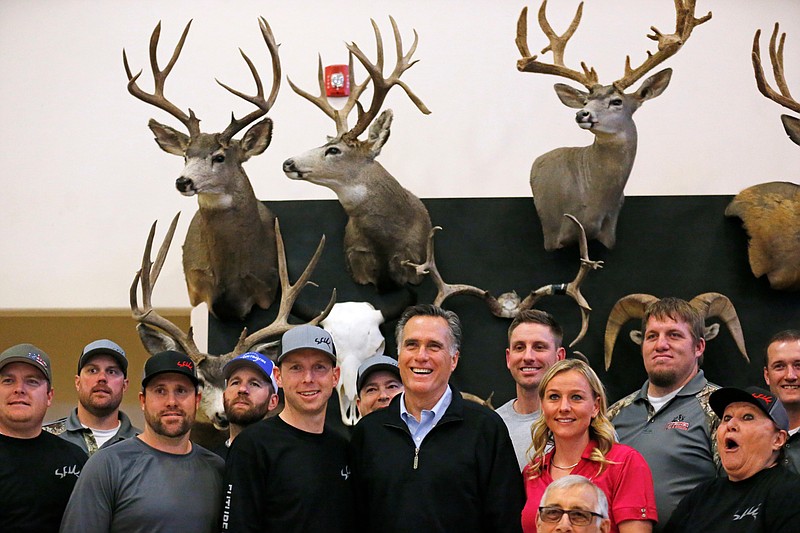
(792, 127)
(654, 85)
(570, 96)
(379, 132)
(169, 139)
(636, 336)
(257, 138)
(155, 341)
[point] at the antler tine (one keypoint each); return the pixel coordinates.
(157, 98)
(381, 85)
(776, 55)
(446, 290)
(573, 288)
(258, 99)
(714, 304)
(626, 308)
(289, 294)
(148, 275)
(668, 45)
(557, 44)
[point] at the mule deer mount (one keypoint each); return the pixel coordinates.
(770, 212)
(508, 305)
(158, 334)
(387, 225)
(589, 181)
(229, 255)
(710, 304)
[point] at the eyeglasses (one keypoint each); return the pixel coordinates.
(577, 517)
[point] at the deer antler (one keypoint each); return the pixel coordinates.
(668, 45)
(785, 98)
(258, 99)
(157, 98)
(148, 275)
(289, 293)
(381, 85)
(508, 305)
(528, 63)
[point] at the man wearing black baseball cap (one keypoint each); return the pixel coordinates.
(37, 470)
(759, 494)
(290, 472)
(159, 480)
(101, 381)
(377, 382)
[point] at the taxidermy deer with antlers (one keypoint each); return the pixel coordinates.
(770, 211)
(229, 255)
(159, 334)
(589, 181)
(387, 224)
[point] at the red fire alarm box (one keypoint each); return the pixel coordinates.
(337, 80)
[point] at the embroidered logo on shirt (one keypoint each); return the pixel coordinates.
(679, 422)
(345, 472)
(65, 471)
(751, 512)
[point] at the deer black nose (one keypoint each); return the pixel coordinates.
(183, 184)
(288, 165)
(582, 115)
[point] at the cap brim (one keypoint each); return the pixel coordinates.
(722, 398)
(376, 368)
(150, 377)
(27, 360)
(282, 356)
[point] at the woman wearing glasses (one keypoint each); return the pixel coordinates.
(573, 436)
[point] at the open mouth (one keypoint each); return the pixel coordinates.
(731, 445)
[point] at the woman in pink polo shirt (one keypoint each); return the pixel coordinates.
(573, 436)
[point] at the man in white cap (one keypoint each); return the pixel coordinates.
(159, 480)
(377, 382)
(37, 470)
(250, 393)
(101, 381)
(290, 472)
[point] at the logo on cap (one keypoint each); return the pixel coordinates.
(323, 340)
(767, 399)
(185, 364)
(38, 358)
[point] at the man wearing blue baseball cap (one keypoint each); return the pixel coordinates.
(101, 381)
(290, 472)
(251, 392)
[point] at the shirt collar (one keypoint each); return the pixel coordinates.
(438, 410)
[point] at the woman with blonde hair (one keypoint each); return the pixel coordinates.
(574, 436)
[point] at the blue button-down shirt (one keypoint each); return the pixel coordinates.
(427, 418)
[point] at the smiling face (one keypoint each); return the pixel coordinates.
(748, 440)
(25, 395)
(670, 353)
(569, 405)
(248, 396)
(100, 385)
(532, 350)
(426, 358)
(378, 390)
(169, 403)
(782, 372)
(307, 377)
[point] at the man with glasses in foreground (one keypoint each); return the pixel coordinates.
(573, 503)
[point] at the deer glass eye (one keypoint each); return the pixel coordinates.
(332, 150)
(219, 158)
(616, 102)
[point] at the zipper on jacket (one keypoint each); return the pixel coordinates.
(416, 457)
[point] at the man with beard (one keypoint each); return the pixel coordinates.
(669, 420)
(534, 345)
(101, 381)
(158, 481)
(250, 393)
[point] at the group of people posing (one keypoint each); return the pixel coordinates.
(680, 454)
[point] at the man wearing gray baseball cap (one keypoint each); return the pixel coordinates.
(37, 470)
(377, 382)
(290, 472)
(101, 381)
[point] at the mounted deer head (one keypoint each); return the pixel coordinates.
(229, 255)
(710, 304)
(509, 305)
(158, 333)
(589, 181)
(387, 224)
(770, 212)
